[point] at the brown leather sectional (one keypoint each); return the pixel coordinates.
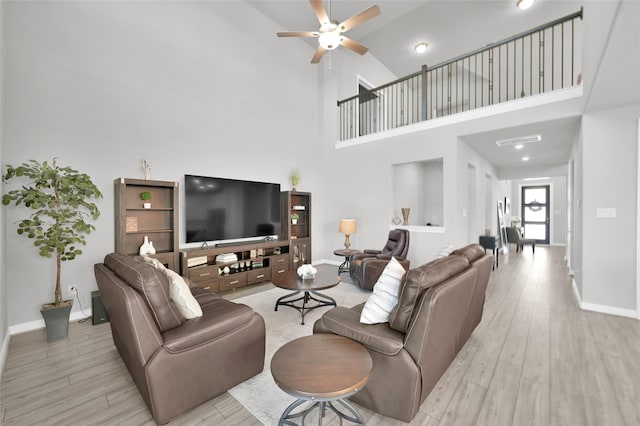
(177, 364)
(440, 304)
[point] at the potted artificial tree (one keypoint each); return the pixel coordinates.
(294, 218)
(59, 198)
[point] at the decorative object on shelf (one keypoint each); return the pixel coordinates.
(347, 227)
(226, 270)
(147, 247)
(131, 224)
(146, 197)
(294, 218)
(307, 272)
(295, 179)
(396, 220)
(405, 215)
(60, 198)
(146, 169)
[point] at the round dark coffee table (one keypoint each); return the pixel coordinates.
(324, 368)
(289, 280)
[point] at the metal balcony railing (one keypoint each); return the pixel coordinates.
(539, 60)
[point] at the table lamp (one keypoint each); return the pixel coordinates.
(347, 227)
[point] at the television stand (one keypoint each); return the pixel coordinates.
(257, 262)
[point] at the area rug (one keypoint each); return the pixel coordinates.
(260, 395)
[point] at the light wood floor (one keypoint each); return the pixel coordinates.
(535, 359)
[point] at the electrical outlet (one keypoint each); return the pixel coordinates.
(71, 290)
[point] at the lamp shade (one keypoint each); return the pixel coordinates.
(347, 226)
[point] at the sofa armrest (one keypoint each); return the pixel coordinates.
(371, 251)
(377, 337)
(219, 318)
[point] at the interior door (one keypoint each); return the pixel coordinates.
(535, 212)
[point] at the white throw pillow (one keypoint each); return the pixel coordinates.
(444, 251)
(385, 294)
(180, 294)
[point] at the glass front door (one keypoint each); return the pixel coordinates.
(535, 213)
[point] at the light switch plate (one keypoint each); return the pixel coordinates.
(605, 212)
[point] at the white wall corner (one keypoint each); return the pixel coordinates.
(4, 350)
(603, 309)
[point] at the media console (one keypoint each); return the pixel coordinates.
(256, 263)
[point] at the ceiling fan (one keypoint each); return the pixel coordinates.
(330, 32)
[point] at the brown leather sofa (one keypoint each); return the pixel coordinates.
(439, 305)
(177, 364)
(366, 267)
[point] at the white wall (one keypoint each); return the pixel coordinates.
(101, 85)
(4, 341)
(609, 143)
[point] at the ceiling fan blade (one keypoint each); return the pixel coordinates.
(358, 19)
(353, 45)
(298, 34)
(320, 11)
(318, 55)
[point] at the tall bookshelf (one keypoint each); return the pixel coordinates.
(159, 222)
(298, 234)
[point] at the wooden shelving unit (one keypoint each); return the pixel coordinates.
(298, 235)
(159, 223)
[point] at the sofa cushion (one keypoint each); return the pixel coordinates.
(385, 294)
(472, 252)
(417, 281)
(377, 337)
(152, 285)
(219, 318)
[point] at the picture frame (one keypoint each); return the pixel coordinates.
(507, 205)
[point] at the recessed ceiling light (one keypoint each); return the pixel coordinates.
(521, 140)
(524, 4)
(525, 158)
(519, 146)
(421, 47)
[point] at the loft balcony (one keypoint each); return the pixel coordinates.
(539, 61)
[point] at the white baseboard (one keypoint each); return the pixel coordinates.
(4, 350)
(36, 325)
(603, 309)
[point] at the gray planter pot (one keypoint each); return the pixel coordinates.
(56, 320)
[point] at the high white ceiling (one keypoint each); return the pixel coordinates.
(455, 27)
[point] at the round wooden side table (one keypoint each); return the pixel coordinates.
(344, 266)
(324, 369)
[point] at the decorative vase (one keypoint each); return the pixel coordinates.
(405, 215)
(147, 247)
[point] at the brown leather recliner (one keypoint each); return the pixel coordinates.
(439, 305)
(366, 267)
(177, 364)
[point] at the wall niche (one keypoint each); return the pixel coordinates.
(419, 186)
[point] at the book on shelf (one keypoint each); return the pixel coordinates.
(226, 258)
(298, 208)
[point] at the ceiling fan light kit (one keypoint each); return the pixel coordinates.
(330, 33)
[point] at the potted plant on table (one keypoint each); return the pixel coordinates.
(59, 198)
(294, 218)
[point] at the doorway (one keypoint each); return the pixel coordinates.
(535, 209)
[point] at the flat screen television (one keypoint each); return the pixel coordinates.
(228, 209)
